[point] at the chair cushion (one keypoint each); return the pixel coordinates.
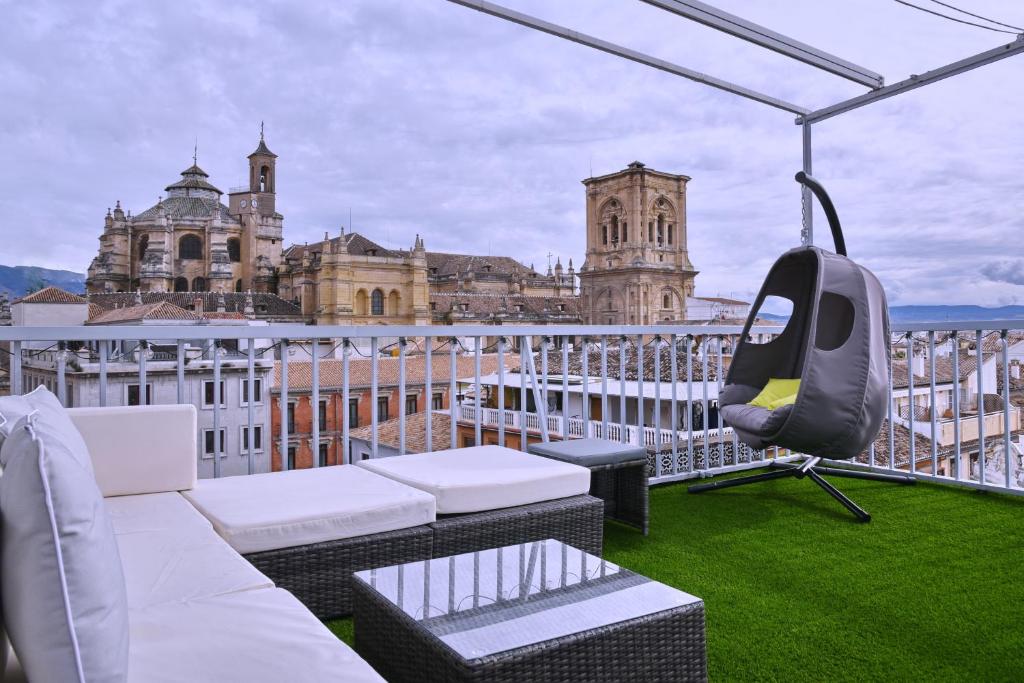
(484, 477)
(258, 636)
(589, 452)
(170, 553)
(755, 420)
(298, 507)
(64, 598)
(14, 407)
(777, 393)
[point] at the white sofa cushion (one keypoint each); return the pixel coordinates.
(13, 408)
(154, 512)
(140, 449)
(170, 553)
(64, 600)
(298, 507)
(255, 636)
(483, 477)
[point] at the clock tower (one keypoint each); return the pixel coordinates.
(255, 206)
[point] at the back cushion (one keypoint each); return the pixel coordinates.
(64, 600)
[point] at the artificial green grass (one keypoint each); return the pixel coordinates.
(796, 590)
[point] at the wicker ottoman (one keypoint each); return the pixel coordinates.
(539, 611)
(618, 474)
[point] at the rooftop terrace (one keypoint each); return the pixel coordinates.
(796, 590)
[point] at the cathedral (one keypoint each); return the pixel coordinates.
(189, 241)
(637, 270)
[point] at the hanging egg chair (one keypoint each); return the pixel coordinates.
(819, 388)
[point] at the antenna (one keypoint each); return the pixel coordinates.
(195, 153)
(261, 131)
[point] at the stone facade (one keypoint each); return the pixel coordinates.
(351, 280)
(637, 270)
(190, 241)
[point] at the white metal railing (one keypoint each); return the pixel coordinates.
(675, 369)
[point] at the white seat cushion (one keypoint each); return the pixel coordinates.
(284, 509)
(254, 636)
(484, 477)
(154, 512)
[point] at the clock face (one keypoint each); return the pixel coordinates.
(254, 203)
(244, 203)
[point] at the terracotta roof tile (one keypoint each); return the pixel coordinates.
(415, 432)
(51, 295)
(160, 310)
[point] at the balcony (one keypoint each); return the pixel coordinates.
(777, 564)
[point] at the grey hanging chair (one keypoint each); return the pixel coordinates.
(836, 344)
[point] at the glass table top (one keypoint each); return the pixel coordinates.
(496, 600)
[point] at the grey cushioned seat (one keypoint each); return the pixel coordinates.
(755, 420)
(589, 452)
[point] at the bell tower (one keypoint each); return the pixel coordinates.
(263, 177)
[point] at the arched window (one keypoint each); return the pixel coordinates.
(666, 301)
(625, 231)
(234, 250)
(190, 248)
(264, 179)
(377, 302)
(361, 302)
(670, 233)
(604, 234)
(143, 245)
(393, 298)
(661, 229)
(650, 231)
(199, 284)
(180, 284)
(615, 229)
(238, 285)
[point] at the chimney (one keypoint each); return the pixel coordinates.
(197, 305)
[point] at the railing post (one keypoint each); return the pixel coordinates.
(604, 387)
(428, 390)
(1007, 451)
(143, 348)
(913, 402)
(62, 361)
(501, 390)
(314, 401)
(689, 402)
(17, 385)
(282, 403)
(956, 404)
(452, 391)
(373, 397)
(565, 386)
(523, 435)
(180, 367)
(623, 436)
(674, 371)
(585, 365)
(931, 399)
(346, 410)
(401, 395)
(251, 405)
(980, 370)
(216, 409)
(657, 405)
(477, 391)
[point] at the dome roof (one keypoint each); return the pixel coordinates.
(192, 178)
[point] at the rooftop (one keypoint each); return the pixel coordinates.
(415, 432)
(51, 295)
(797, 591)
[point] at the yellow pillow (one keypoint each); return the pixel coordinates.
(777, 393)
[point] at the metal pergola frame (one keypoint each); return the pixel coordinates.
(754, 33)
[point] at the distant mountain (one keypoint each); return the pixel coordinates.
(938, 314)
(20, 280)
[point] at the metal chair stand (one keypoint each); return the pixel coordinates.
(810, 469)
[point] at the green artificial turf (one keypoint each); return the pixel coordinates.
(932, 589)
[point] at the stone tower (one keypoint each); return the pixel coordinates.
(256, 208)
(637, 270)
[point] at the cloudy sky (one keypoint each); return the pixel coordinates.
(425, 117)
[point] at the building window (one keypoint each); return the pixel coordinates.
(437, 402)
(180, 284)
(604, 234)
(208, 444)
(410, 405)
(650, 231)
(258, 383)
(198, 284)
(238, 286)
(353, 412)
(666, 301)
(321, 414)
(190, 248)
(208, 397)
(322, 455)
(661, 230)
(291, 418)
(382, 408)
(625, 232)
(291, 457)
(133, 394)
(377, 302)
(143, 245)
(257, 441)
(670, 233)
(234, 250)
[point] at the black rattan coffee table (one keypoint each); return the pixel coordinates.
(541, 611)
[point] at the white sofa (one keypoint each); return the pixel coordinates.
(198, 611)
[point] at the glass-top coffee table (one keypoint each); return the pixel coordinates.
(540, 611)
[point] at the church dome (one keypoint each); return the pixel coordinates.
(193, 184)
